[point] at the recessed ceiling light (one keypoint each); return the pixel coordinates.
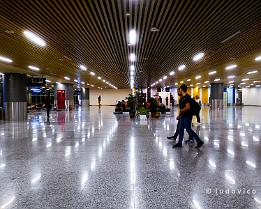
(230, 67)
(198, 56)
(75, 80)
(34, 38)
(157, 82)
(243, 83)
(231, 81)
(92, 73)
(82, 83)
(198, 83)
(181, 67)
(167, 86)
(217, 79)
(92, 85)
(256, 81)
(258, 58)
(252, 72)
(33, 68)
(172, 73)
(83, 67)
(160, 80)
(127, 14)
(154, 29)
(206, 82)
(57, 82)
(165, 77)
(231, 76)
(204, 86)
(132, 37)
(132, 57)
(66, 78)
(181, 81)
(191, 85)
(99, 77)
(48, 81)
(5, 59)
(107, 82)
(198, 77)
(104, 80)
(189, 80)
(245, 79)
(132, 68)
(176, 84)
(212, 72)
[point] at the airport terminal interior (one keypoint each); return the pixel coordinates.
(95, 96)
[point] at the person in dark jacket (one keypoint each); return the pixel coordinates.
(48, 105)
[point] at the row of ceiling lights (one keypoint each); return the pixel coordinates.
(40, 42)
(132, 57)
(198, 57)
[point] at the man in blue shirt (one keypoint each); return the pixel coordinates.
(185, 117)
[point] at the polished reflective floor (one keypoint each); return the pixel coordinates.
(90, 158)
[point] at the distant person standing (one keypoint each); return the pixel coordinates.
(199, 108)
(185, 117)
(99, 101)
(167, 101)
(160, 99)
(48, 105)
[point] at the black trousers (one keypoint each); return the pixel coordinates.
(198, 117)
(48, 111)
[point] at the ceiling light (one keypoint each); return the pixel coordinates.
(256, 81)
(107, 82)
(231, 76)
(132, 37)
(33, 68)
(245, 79)
(57, 82)
(231, 81)
(198, 56)
(34, 38)
(83, 67)
(189, 80)
(204, 86)
(48, 81)
(99, 77)
(212, 72)
(5, 59)
(92, 73)
(160, 80)
(165, 77)
(132, 57)
(172, 73)
(157, 82)
(198, 77)
(181, 81)
(75, 80)
(181, 67)
(243, 83)
(82, 83)
(132, 68)
(231, 67)
(176, 84)
(66, 78)
(258, 58)
(198, 83)
(92, 85)
(191, 85)
(154, 29)
(217, 79)
(206, 82)
(252, 72)
(103, 80)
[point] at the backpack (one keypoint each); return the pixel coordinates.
(194, 107)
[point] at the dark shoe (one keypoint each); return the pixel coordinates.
(200, 143)
(177, 145)
(190, 141)
(171, 138)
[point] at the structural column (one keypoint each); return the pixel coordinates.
(85, 97)
(216, 95)
(15, 98)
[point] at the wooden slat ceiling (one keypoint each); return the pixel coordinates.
(95, 33)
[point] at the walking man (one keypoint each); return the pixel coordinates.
(175, 136)
(185, 117)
